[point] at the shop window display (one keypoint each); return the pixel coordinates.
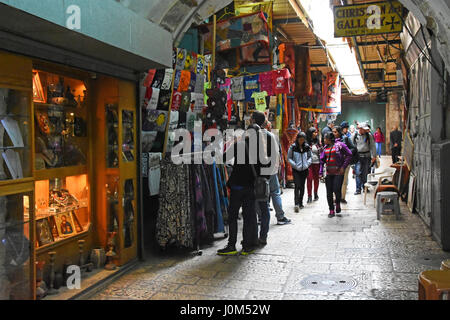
(112, 125)
(14, 134)
(15, 248)
(128, 208)
(128, 136)
(62, 209)
(61, 135)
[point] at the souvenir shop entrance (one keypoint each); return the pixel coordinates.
(68, 189)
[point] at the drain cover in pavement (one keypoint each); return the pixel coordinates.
(430, 260)
(325, 282)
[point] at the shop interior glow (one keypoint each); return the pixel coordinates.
(321, 14)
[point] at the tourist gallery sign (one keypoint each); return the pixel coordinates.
(367, 19)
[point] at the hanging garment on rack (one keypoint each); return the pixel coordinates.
(199, 203)
(220, 225)
(210, 180)
(210, 212)
(303, 81)
(222, 194)
(174, 221)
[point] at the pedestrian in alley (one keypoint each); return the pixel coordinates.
(300, 158)
(340, 136)
(313, 174)
(336, 156)
(345, 129)
(259, 118)
(241, 184)
(396, 143)
(275, 191)
(328, 128)
(379, 140)
(365, 144)
(352, 130)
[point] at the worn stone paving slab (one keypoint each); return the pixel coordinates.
(383, 257)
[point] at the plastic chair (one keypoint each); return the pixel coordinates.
(445, 265)
(434, 285)
(374, 180)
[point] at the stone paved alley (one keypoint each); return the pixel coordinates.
(376, 259)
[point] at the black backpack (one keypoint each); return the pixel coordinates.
(353, 149)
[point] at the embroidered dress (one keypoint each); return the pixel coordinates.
(174, 223)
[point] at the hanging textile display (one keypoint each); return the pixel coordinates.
(249, 34)
(332, 93)
(154, 173)
(303, 82)
(174, 224)
(288, 56)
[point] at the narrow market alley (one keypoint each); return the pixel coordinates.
(313, 258)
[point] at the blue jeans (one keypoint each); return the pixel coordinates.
(362, 169)
(379, 148)
(275, 194)
(265, 218)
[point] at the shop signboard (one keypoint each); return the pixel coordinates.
(368, 19)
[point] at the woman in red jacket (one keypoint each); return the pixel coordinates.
(379, 140)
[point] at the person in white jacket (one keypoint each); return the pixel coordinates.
(300, 158)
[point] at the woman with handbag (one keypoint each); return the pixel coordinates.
(336, 156)
(300, 159)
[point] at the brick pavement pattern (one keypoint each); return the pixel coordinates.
(382, 257)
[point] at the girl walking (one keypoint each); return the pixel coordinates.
(300, 158)
(379, 140)
(336, 156)
(313, 175)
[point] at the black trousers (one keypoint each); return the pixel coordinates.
(300, 181)
(334, 186)
(395, 153)
(246, 199)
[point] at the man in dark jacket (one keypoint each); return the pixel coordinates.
(328, 128)
(396, 143)
(241, 184)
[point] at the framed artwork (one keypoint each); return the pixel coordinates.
(76, 222)
(65, 225)
(44, 233)
(38, 92)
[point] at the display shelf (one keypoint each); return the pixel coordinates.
(47, 174)
(61, 242)
(47, 105)
(6, 148)
(48, 213)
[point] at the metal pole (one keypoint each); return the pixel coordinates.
(214, 42)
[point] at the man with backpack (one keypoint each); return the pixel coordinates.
(365, 145)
